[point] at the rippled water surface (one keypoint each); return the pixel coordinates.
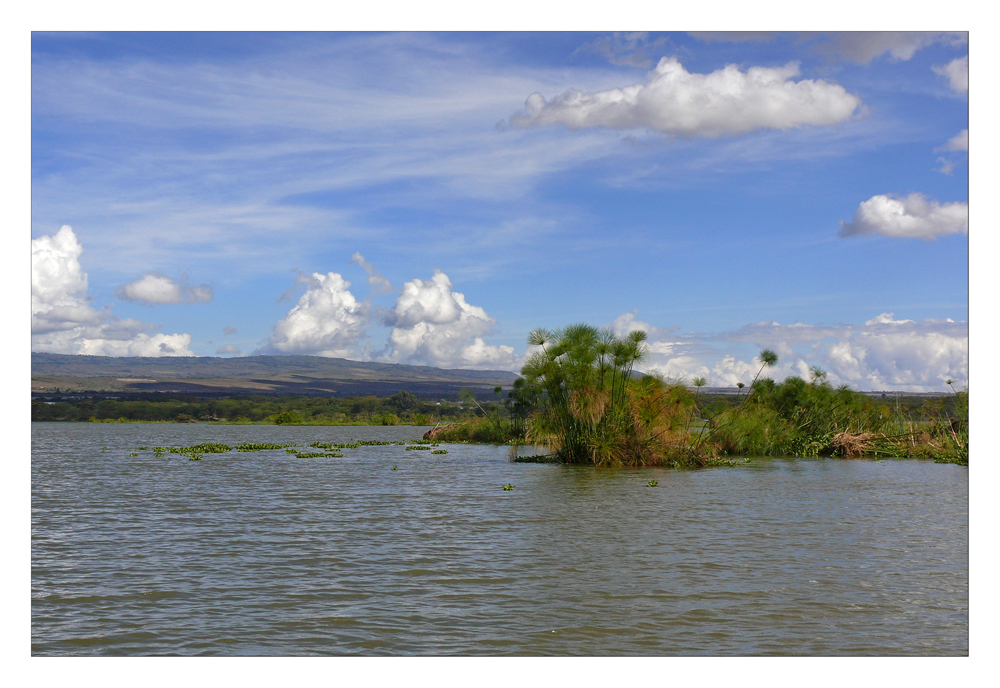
(268, 554)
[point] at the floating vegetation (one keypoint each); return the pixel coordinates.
(258, 446)
(331, 450)
(329, 446)
(508, 487)
(205, 448)
(417, 448)
(653, 483)
(141, 448)
(724, 462)
(538, 458)
(133, 454)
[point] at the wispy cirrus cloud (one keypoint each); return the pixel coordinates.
(626, 49)
(864, 46)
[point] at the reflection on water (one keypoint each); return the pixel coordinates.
(268, 554)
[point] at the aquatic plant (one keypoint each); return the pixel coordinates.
(799, 418)
(258, 446)
(593, 409)
(767, 359)
(204, 448)
(508, 487)
(395, 468)
(439, 451)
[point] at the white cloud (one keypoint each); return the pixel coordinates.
(432, 325)
(957, 73)
(116, 338)
(675, 101)
(326, 321)
(913, 216)
(62, 319)
(156, 288)
(864, 46)
(59, 284)
(958, 142)
(228, 349)
(884, 353)
(376, 281)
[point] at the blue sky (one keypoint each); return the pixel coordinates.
(724, 192)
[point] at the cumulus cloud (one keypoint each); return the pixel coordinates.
(913, 216)
(864, 46)
(957, 73)
(884, 353)
(59, 298)
(155, 288)
(62, 319)
(228, 349)
(958, 142)
(432, 325)
(326, 321)
(378, 283)
(675, 101)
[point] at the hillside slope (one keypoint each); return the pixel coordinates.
(311, 375)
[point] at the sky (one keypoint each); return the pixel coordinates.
(431, 198)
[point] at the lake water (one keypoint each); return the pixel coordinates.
(268, 554)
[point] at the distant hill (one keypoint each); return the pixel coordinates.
(311, 375)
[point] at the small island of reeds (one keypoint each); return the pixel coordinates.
(578, 396)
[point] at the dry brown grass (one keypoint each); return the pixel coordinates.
(852, 444)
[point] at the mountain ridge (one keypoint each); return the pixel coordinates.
(251, 374)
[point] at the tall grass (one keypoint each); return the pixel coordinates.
(592, 408)
(796, 418)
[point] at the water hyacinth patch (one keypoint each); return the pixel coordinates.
(257, 446)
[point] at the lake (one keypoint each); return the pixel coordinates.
(264, 553)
